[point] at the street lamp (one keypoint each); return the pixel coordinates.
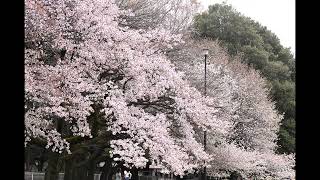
(206, 53)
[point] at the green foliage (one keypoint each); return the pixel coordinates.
(262, 50)
(255, 57)
(284, 92)
(285, 134)
(276, 70)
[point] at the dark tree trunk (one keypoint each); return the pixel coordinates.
(75, 174)
(107, 171)
(135, 175)
(74, 171)
(91, 168)
(82, 171)
(27, 159)
(79, 173)
(40, 165)
(68, 170)
(52, 172)
(235, 176)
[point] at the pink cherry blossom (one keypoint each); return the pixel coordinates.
(78, 54)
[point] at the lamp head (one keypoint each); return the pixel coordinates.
(205, 52)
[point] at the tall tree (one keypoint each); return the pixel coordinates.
(262, 50)
(79, 61)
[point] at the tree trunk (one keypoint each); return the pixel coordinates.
(82, 171)
(40, 165)
(107, 171)
(79, 173)
(27, 159)
(135, 175)
(76, 171)
(91, 168)
(52, 172)
(235, 176)
(68, 170)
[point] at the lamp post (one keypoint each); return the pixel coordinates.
(205, 52)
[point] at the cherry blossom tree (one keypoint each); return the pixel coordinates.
(240, 96)
(91, 81)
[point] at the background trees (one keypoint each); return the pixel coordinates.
(262, 50)
(241, 96)
(175, 16)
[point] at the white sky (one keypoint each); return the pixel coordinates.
(277, 15)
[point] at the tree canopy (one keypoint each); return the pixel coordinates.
(262, 50)
(80, 59)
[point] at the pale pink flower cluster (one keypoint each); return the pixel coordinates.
(240, 97)
(250, 164)
(37, 127)
(147, 103)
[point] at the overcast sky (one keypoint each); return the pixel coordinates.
(277, 15)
